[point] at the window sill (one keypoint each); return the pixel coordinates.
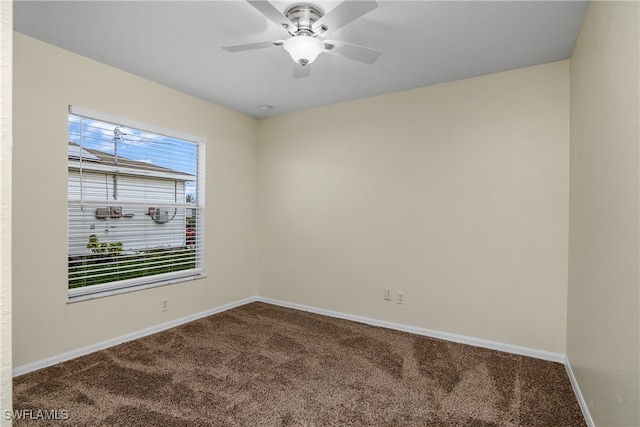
(101, 293)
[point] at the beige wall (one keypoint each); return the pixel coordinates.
(456, 194)
(603, 338)
(46, 80)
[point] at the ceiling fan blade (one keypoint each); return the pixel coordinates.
(270, 11)
(352, 51)
(251, 46)
(345, 12)
(300, 71)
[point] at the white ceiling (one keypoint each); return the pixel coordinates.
(178, 44)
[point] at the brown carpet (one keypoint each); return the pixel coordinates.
(263, 365)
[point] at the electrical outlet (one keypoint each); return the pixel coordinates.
(164, 304)
(401, 297)
(387, 295)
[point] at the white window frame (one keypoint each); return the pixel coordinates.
(130, 285)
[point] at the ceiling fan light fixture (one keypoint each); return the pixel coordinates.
(303, 49)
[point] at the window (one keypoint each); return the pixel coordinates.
(135, 205)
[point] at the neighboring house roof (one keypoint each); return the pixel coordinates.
(100, 161)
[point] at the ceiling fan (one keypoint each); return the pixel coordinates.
(305, 23)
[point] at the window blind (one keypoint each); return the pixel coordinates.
(135, 205)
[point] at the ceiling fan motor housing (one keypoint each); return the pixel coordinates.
(304, 16)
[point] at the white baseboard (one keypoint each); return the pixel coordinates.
(578, 393)
(493, 345)
(50, 361)
(477, 342)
